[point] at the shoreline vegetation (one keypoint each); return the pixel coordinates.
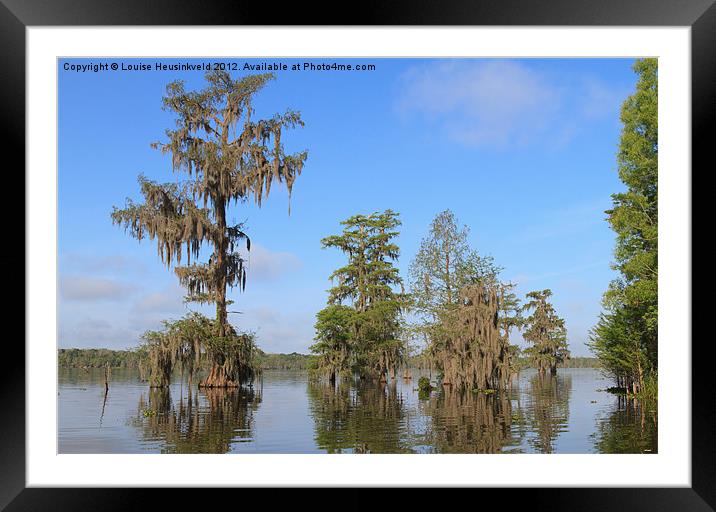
(464, 311)
(625, 338)
(87, 358)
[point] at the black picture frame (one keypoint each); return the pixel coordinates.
(16, 15)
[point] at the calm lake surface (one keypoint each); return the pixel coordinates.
(285, 413)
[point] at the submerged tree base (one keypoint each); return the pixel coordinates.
(218, 378)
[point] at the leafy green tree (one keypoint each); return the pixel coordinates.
(443, 265)
(620, 349)
(226, 156)
(465, 312)
(546, 332)
(625, 338)
(335, 325)
(370, 333)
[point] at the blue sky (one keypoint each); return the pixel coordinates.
(522, 151)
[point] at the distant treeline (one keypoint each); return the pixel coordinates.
(572, 362)
(292, 361)
(99, 357)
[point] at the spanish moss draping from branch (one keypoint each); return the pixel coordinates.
(183, 343)
(473, 354)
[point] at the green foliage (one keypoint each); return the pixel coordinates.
(182, 342)
(424, 384)
(443, 265)
(650, 389)
(424, 388)
(369, 275)
(292, 361)
(364, 336)
(335, 326)
(625, 339)
(546, 332)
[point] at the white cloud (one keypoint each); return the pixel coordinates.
(601, 100)
(562, 222)
(78, 288)
(267, 265)
(501, 103)
(101, 264)
(97, 333)
(278, 331)
(150, 310)
(99, 311)
(524, 279)
(168, 301)
(491, 102)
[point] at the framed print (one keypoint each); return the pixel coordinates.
(421, 251)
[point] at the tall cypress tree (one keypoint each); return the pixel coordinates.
(546, 331)
(226, 157)
(465, 313)
(363, 335)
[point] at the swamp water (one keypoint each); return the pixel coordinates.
(287, 413)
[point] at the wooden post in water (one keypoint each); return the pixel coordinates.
(106, 391)
(106, 378)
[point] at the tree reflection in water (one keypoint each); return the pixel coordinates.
(370, 417)
(205, 421)
(367, 417)
(471, 422)
(630, 428)
(547, 409)
(359, 417)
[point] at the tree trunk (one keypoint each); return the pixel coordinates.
(641, 376)
(218, 378)
(220, 248)
(447, 274)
